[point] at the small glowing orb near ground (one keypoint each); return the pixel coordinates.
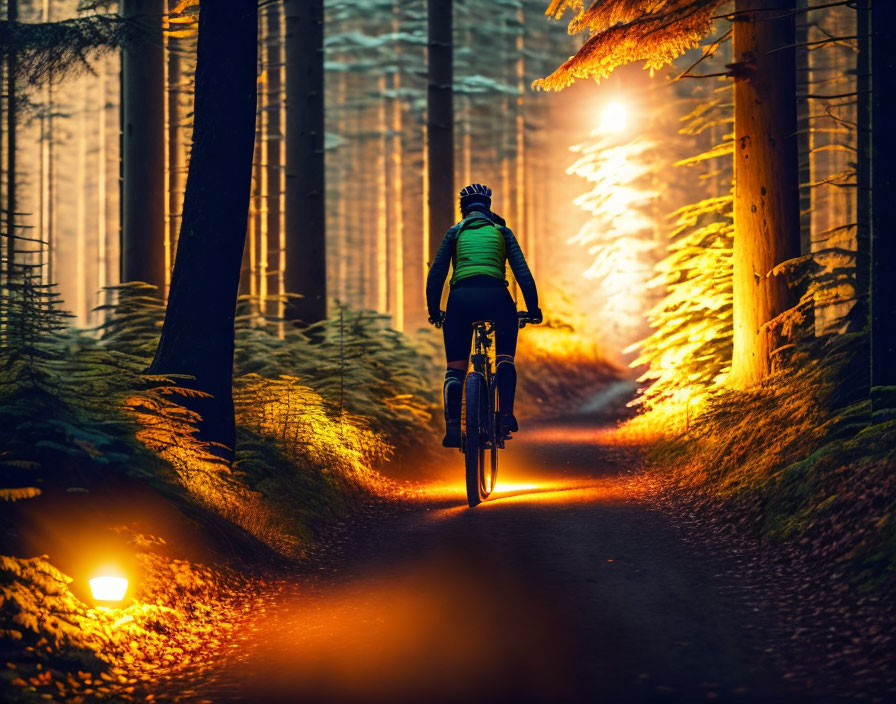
(108, 588)
(615, 118)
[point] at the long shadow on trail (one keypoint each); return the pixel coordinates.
(563, 587)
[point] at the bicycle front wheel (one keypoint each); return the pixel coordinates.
(477, 415)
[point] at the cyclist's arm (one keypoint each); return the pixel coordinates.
(520, 270)
(438, 272)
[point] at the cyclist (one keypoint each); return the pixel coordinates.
(478, 248)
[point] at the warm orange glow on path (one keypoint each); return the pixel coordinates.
(561, 587)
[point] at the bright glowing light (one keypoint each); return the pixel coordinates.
(615, 118)
(108, 588)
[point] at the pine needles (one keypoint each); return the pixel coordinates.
(628, 31)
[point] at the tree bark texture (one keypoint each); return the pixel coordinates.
(766, 202)
(396, 188)
(859, 312)
(305, 271)
(198, 336)
(273, 146)
(804, 126)
(175, 153)
(883, 219)
(439, 123)
(143, 147)
(11, 115)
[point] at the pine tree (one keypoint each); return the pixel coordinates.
(767, 195)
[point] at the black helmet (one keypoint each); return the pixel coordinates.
(473, 195)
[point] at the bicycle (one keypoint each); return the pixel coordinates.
(480, 422)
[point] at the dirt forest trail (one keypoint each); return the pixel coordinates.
(564, 587)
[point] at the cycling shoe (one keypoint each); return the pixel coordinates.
(452, 434)
(508, 425)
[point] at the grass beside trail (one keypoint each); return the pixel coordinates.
(99, 463)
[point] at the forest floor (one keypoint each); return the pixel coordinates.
(590, 575)
(578, 581)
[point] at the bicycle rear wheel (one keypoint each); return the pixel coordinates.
(477, 414)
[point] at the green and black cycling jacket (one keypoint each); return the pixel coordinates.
(477, 246)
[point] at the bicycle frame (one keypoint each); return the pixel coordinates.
(482, 360)
(480, 426)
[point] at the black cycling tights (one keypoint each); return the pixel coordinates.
(470, 301)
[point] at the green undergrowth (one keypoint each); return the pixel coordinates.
(318, 412)
(800, 455)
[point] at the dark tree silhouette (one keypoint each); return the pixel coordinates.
(439, 123)
(859, 313)
(305, 271)
(198, 336)
(143, 146)
(883, 204)
(273, 145)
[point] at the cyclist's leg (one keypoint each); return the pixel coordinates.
(458, 333)
(505, 372)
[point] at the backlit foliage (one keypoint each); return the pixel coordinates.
(687, 355)
(355, 362)
(76, 406)
(48, 50)
(619, 235)
(68, 651)
(654, 32)
(296, 418)
(689, 352)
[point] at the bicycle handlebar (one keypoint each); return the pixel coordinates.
(523, 319)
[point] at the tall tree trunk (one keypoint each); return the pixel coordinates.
(143, 147)
(181, 71)
(250, 265)
(383, 258)
(859, 312)
(175, 155)
(883, 179)
(197, 336)
(766, 207)
(102, 276)
(273, 149)
(306, 270)
(804, 126)
(439, 124)
(81, 308)
(414, 217)
(395, 184)
(12, 15)
(524, 232)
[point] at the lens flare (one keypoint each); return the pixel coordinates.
(615, 118)
(108, 588)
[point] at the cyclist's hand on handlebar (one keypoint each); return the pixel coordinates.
(437, 320)
(534, 317)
